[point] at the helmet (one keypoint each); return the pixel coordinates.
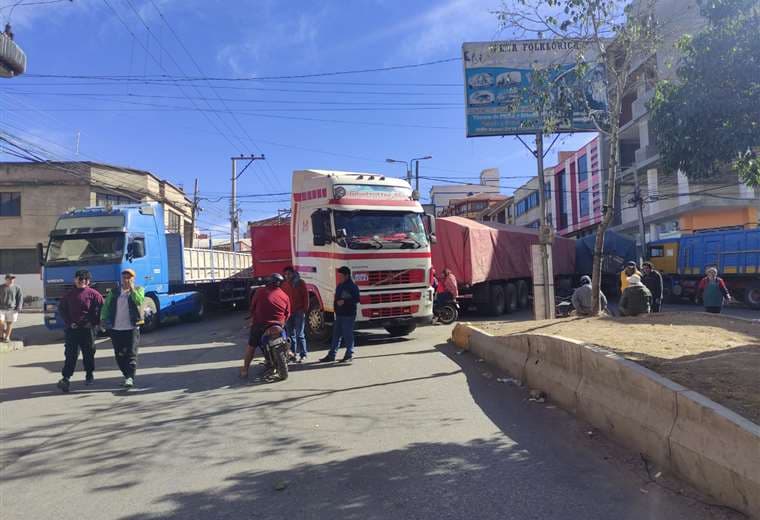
(276, 279)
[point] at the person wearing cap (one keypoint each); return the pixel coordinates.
(298, 294)
(636, 298)
(629, 270)
(122, 316)
(269, 306)
(652, 279)
(582, 298)
(80, 311)
(11, 301)
(712, 291)
(345, 303)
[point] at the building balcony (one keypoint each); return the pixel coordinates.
(645, 155)
(639, 107)
(12, 58)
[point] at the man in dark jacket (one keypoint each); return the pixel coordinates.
(80, 312)
(636, 298)
(652, 279)
(296, 290)
(345, 303)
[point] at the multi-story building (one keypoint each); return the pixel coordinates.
(501, 213)
(526, 209)
(473, 206)
(671, 203)
(577, 194)
(440, 196)
(33, 195)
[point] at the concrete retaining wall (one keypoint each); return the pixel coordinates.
(713, 448)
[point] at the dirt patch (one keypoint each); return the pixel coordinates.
(715, 355)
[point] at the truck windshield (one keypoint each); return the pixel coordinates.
(381, 229)
(86, 249)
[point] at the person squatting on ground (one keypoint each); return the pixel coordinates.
(269, 306)
(122, 316)
(450, 288)
(713, 291)
(11, 301)
(636, 298)
(80, 310)
(582, 297)
(298, 294)
(652, 279)
(346, 300)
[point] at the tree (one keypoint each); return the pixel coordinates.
(709, 119)
(616, 35)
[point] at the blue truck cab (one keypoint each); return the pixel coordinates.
(108, 240)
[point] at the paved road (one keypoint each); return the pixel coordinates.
(411, 430)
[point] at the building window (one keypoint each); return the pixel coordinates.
(10, 204)
(582, 168)
(478, 206)
(108, 199)
(172, 222)
(19, 261)
(548, 191)
(583, 203)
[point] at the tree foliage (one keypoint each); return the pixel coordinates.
(709, 119)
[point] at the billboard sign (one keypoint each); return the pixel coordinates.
(499, 77)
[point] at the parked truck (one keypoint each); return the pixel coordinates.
(371, 223)
(492, 262)
(178, 281)
(618, 249)
(735, 253)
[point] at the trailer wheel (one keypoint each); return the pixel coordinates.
(151, 314)
(198, 313)
(512, 302)
(498, 301)
(522, 294)
(752, 295)
(317, 327)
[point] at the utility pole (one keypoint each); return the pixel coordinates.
(545, 238)
(417, 176)
(234, 217)
(639, 201)
(195, 213)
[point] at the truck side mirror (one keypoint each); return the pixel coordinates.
(430, 225)
(40, 253)
(135, 249)
(341, 233)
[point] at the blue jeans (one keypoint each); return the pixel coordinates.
(343, 332)
(296, 331)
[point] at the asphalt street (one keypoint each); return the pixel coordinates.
(412, 429)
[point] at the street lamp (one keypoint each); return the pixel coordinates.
(416, 162)
(406, 165)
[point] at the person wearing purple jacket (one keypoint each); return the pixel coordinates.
(80, 311)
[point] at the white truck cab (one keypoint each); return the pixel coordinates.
(374, 225)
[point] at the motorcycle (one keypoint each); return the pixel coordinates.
(276, 347)
(446, 313)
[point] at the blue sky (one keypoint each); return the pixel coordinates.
(349, 122)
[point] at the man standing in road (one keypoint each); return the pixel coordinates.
(269, 306)
(652, 279)
(636, 298)
(11, 301)
(122, 316)
(80, 310)
(346, 301)
(296, 290)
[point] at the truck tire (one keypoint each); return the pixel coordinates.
(317, 328)
(522, 294)
(198, 313)
(498, 303)
(398, 331)
(752, 295)
(151, 314)
(511, 298)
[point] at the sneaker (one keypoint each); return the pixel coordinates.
(128, 382)
(302, 358)
(346, 359)
(327, 359)
(90, 379)
(63, 385)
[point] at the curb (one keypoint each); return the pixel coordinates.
(706, 444)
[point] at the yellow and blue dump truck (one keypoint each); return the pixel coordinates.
(735, 253)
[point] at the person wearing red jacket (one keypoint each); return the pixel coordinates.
(269, 306)
(296, 290)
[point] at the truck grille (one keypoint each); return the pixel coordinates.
(378, 278)
(390, 312)
(55, 291)
(374, 299)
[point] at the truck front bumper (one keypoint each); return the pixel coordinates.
(383, 323)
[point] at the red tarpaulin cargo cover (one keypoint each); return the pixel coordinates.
(478, 252)
(270, 247)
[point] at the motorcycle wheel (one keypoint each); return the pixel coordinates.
(447, 314)
(281, 363)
